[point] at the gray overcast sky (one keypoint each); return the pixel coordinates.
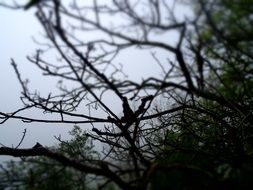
(17, 29)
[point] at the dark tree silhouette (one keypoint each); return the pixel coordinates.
(200, 136)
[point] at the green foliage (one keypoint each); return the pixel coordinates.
(37, 173)
(209, 135)
(41, 173)
(210, 141)
(79, 147)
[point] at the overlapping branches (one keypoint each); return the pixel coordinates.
(87, 40)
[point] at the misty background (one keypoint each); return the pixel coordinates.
(19, 30)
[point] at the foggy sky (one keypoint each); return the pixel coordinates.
(17, 30)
